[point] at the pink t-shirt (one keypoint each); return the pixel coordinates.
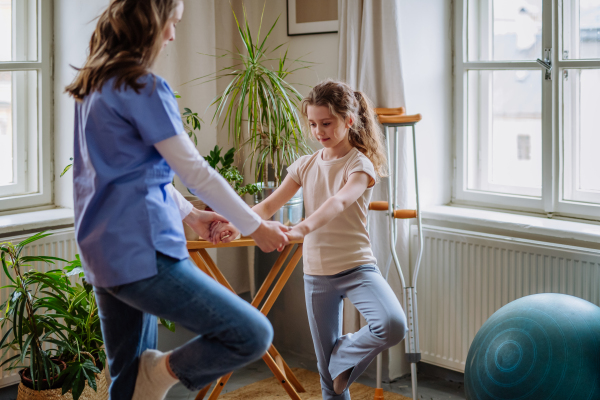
(343, 243)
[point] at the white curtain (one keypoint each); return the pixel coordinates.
(369, 61)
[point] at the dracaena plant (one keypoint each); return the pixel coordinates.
(49, 319)
(259, 106)
(30, 329)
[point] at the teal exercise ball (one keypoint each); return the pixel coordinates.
(539, 347)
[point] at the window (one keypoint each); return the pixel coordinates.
(25, 103)
(528, 105)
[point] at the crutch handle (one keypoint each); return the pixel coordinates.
(378, 205)
(405, 214)
(390, 111)
(400, 214)
(399, 119)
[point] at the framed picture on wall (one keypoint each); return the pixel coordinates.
(307, 17)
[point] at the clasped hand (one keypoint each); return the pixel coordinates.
(216, 229)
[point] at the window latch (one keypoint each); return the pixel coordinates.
(546, 63)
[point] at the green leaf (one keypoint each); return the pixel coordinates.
(78, 385)
(67, 168)
(168, 324)
(33, 238)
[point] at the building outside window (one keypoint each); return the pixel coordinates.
(25, 103)
(528, 132)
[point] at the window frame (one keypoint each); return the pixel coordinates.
(43, 167)
(551, 201)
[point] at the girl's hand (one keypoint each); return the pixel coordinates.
(223, 232)
(295, 234)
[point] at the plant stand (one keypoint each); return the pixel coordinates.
(26, 393)
(272, 358)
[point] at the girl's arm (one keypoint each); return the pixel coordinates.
(269, 206)
(352, 190)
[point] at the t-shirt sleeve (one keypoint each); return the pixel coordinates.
(294, 170)
(363, 164)
(154, 111)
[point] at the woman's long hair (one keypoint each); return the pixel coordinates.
(125, 44)
(344, 102)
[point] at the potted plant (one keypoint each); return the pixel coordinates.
(223, 164)
(51, 328)
(260, 109)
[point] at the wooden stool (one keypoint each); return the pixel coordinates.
(272, 358)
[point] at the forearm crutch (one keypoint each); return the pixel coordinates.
(396, 118)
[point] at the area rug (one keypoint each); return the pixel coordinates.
(270, 389)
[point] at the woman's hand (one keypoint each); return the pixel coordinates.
(200, 222)
(221, 232)
(270, 236)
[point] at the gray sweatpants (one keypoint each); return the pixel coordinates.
(372, 296)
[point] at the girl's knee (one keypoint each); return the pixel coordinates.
(392, 329)
(397, 329)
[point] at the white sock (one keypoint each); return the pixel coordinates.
(154, 379)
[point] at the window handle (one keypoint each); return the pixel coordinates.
(546, 63)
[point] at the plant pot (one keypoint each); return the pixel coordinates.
(291, 213)
(26, 393)
(27, 382)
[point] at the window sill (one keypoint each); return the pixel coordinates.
(34, 221)
(515, 224)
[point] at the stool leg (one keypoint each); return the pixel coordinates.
(214, 395)
(285, 275)
(287, 370)
(281, 377)
(271, 276)
(202, 393)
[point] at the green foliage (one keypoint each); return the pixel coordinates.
(48, 318)
(272, 130)
(224, 166)
(191, 124)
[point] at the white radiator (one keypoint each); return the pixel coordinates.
(60, 244)
(466, 276)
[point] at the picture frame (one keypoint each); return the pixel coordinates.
(314, 19)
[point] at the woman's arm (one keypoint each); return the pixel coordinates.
(201, 222)
(209, 185)
(269, 206)
(184, 206)
(352, 190)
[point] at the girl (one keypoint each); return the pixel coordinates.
(337, 183)
(128, 140)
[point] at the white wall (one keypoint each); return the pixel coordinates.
(426, 45)
(73, 27)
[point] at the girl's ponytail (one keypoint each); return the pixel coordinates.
(365, 133)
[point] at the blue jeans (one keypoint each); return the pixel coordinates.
(231, 333)
(372, 296)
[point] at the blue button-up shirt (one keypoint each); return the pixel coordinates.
(123, 214)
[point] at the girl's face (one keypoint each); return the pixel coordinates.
(329, 130)
(169, 31)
